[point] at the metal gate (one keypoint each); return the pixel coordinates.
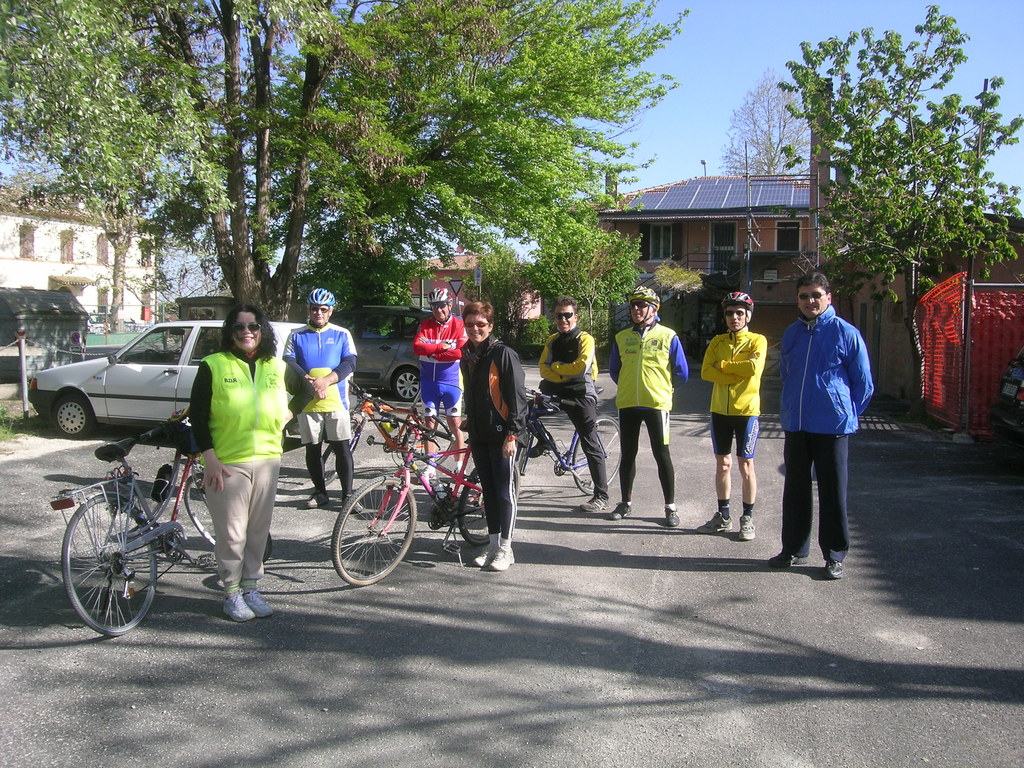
(959, 387)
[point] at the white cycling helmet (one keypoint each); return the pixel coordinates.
(439, 296)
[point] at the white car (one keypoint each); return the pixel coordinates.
(143, 382)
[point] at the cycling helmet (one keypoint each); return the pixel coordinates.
(439, 296)
(320, 297)
(738, 298)
(643, 293)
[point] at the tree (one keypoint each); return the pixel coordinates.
(505, 283)
(594, 266)
(910, 189)
(762, 129)
(404, 126)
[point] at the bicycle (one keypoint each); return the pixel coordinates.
(376, 526)
(114, 539)
(390, 422)
(570, 460)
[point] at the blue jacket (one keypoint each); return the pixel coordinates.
(826, 376)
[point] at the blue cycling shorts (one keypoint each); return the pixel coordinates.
(440, 398)
(743, 428)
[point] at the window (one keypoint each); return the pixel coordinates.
(27, 237)
(207, 343)
(67, 246)
(659, 239)
(161, 347)
(145, 254)
(102, 250)
(787, 236)
(723, 246)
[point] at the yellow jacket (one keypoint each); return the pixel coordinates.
(734, 363)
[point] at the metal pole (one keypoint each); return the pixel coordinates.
(24, 373)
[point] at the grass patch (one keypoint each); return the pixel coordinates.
(13, 424)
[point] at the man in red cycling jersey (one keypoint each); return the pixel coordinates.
(438, 343)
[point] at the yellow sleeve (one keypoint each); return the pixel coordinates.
(577, 367)
(709, 372)
(753, 366)
(545, 356)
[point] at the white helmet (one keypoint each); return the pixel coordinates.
(439, 296)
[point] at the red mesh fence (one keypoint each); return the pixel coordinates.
(940, 324)
(997, 332)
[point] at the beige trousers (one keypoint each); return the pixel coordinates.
(241, 520)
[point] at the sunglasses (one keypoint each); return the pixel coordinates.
(251, 327)
(438, 304)
(564, 315)
(318, 310)
(477, 325)
(638, 305)
(806, 296)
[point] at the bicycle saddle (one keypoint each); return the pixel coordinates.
(114, 451)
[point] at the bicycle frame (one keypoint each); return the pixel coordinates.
(404, 473)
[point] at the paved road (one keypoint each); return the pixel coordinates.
(606, 644)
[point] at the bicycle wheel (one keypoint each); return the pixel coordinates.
(471, 514)
(110, 589)
(471, 517)
(195, 503)
(373, 532)
(608, 432)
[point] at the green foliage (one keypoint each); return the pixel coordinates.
(535, 331)
(399, 128)
(910, 187)
(506, 285)
(678, 278)
(578, 258)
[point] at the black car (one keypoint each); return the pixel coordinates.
(383, 337)
(1007, 415)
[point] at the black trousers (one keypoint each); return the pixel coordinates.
(630, 421)
(498, 485)
(828, 456)
(583, 415)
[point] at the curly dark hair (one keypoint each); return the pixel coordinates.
(268, 342)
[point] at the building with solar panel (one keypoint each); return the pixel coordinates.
(752, 234)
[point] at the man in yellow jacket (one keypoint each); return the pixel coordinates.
(734, 362)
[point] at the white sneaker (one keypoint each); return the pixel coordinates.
(256, 604)
(236, 608)
(746, 528)
(503, 558)
(485, 558)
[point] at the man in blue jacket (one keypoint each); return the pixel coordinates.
(826, 385)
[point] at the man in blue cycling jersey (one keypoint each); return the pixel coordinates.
(325, 355)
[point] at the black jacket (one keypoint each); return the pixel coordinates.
(495, 391)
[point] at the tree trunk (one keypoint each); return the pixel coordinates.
(914, 393)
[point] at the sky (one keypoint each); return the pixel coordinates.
(727, 45)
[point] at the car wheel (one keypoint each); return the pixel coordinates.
(406, 383)
(73, 416)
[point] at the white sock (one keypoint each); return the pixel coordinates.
(494, 540)
(506, 543)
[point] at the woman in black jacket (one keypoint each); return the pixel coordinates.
(495, 402)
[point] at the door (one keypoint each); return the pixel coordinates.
(143, 383)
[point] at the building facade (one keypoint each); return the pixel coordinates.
(69, 252)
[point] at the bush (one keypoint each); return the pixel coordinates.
(535, 331)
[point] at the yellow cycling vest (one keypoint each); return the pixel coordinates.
(247, 416)
(645, 377)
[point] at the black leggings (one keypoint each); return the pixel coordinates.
(630, 420)
(343, 464)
